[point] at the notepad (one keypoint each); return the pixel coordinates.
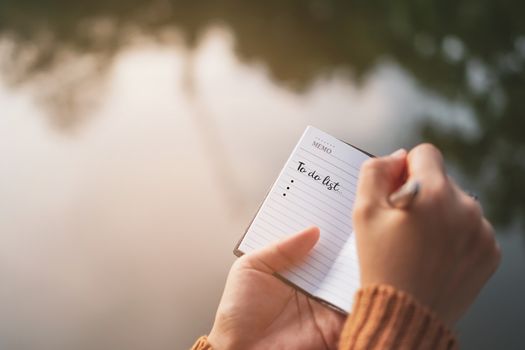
(316, 187)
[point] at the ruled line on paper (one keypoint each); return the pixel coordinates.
(332, 248)
(327, 246)
(343, 184)
(248, 245)
(343, 189)
(303, 224)
(324, 258)
(320, 279)
(346, 145)
(308, 185)
(343, 303)
(262, 217)
(325, 267)
(307, 155)
(348, 184)
(271, 224)
(345, 162)
(337, 290)
(328, 233)
(317, 276)
(319, 200)
(291, 171)
(325, 277)
(294, 202)
(259, 241)
(316, 287)
(266, 231)
(343, 220)
(321, 247)
(324, 160)
(345, 234)
(344, 223)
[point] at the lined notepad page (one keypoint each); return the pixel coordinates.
(317, 186)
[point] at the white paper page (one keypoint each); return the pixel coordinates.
(303, 196)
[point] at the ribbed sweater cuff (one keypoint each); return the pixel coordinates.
(202, 344)
(386, 318)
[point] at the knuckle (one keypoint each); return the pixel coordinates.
(486, 241)
(362, 211)
(472, 212)
(371, 165)
(485, 236)
(489, 248)
(439, 188)
(371, 169)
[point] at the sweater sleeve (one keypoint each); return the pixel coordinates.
(386, 318)
(202, 344)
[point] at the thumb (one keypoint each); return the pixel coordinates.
(284, 253)
(380, 176)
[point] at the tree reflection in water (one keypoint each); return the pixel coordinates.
(470, 52)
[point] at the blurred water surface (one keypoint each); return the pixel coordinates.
(137, 139)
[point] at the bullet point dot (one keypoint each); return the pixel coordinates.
(287, 188)
(284, 194)
(291, 181)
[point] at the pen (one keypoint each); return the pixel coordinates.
(403, 197)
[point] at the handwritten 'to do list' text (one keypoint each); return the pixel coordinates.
(326, 181)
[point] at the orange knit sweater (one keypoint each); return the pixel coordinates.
(386, 318)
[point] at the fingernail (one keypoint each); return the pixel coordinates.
(400, 153)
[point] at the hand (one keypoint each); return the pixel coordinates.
(259, 311)
(441, 250)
